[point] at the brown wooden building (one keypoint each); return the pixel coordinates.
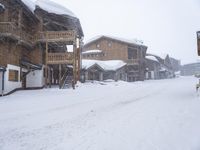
(37, 47)
(112, 48)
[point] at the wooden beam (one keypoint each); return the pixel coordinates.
(59, 74)
(46, 65)
(74, 64)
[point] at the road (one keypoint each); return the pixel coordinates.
(149, 115)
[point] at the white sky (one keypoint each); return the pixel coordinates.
(165, 26)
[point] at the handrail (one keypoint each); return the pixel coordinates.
(56, 35)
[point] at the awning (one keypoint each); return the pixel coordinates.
(30, 65)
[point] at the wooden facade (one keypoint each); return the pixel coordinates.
(27, 40)
(116, 49)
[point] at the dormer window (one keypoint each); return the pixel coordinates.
(98, 45)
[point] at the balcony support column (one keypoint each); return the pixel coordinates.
(74, 65)
(59, 75)
(46, 65)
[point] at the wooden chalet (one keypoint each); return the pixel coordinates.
(37, 47)
(112, 48)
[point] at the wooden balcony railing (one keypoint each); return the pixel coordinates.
(133, 61)
(56, 36)
(60, 58)
(9, 29)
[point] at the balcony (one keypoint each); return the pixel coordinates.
(9, 29)
(133, 62)
(56, 36)
(60, 58)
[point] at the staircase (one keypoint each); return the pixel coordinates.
(66, 80)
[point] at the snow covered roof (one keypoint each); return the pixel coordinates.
(48, 6)
(110, 65)
(2, 68)
(134, 41)
(163, 69)
(152, 58)
(2, 5)
(161, 55)
(92, 51)
(30, 4)
(53, 7)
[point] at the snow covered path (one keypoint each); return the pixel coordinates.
(150, 115)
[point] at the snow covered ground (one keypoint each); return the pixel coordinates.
(150, 115)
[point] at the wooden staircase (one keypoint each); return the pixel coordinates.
(66, 80)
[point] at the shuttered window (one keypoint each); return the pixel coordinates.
(13, 75)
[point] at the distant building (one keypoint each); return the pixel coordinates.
(159, 67)
(112, 48)
(153, 68)
(176, 64)
(190, 69)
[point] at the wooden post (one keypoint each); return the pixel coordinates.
(59, 75)
(20, 19)
(78, 64)
(46, 65)
(50, 77)
(74, 63)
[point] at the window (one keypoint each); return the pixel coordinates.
(132, 53)
(109, 44)
(13, 75)
(98, 45)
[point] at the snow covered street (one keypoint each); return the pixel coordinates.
(149, 115)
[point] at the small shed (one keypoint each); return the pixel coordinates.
(104, 70)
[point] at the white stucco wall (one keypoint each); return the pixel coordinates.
(35, 79)
(11, 85)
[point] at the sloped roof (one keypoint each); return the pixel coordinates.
(30, 4)
(123, 40)
(53, 7)
(110, 65)
(152, 58)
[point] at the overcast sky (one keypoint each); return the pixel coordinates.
(165, 26)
